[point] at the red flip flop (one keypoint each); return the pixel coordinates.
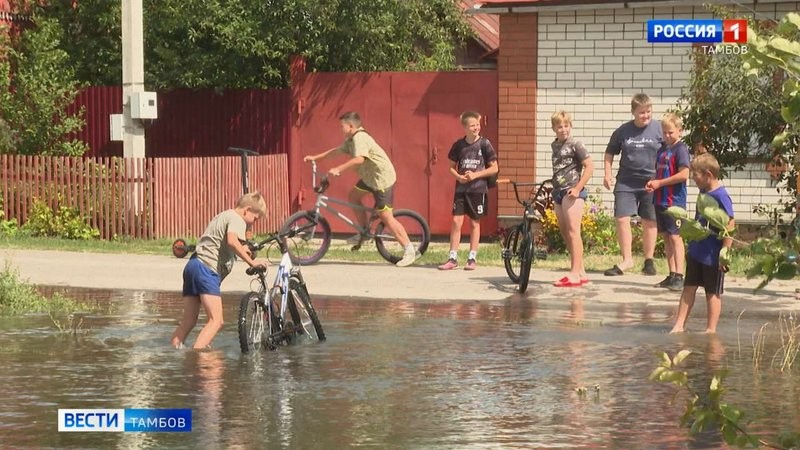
(565, 282)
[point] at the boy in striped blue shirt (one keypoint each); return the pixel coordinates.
(669, 189)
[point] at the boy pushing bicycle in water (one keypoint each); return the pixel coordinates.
(377, 176)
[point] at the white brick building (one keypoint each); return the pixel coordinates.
(590, 59)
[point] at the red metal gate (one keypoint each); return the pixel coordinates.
(412, 115)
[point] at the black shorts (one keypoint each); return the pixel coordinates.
(710, 277)
(666, 224)
(472, 204)
(383, 199)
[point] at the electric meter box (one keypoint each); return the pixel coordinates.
(116, 127)
(144, 105)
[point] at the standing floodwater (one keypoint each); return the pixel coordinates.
(392, 374)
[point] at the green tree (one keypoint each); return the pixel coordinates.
(247, 43)
(767, 51)
(732, 114)
(37, 84)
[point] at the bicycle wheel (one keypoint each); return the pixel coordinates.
(303, 314)
(511, 254)
(417, 229)
(313, 237)
(526, 258)
(253, 320)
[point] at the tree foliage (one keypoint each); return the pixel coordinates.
(247, 43)
(730, 113)
(780, 48)
(37, 84)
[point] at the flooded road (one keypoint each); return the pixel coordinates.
(392, 374)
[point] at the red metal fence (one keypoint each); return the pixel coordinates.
(192, 122)
(142, 197)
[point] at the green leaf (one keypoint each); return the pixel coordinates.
(786, 114)
(789, 24)
(729, 434)
(681, 356)
(779, 139)
(676, 212)
(786, 271)
(655, 375)
(785, 46)
(665, 360)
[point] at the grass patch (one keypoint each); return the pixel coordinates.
(121, 245)
(18, 297)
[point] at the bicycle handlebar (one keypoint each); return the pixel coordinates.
(277, 237)
(535, 198)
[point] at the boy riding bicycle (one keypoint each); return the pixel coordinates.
(377, 176)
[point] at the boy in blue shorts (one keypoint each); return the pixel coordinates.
(216, 252)
(669, 189)
(703, 266)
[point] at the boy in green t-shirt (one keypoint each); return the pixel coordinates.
(377, 177)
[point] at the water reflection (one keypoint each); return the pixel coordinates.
(393, 374)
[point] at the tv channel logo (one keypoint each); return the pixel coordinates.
(125, 420)
(697, 31)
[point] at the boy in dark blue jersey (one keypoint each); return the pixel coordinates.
(704, 264)
(473, 160)
(669, 189)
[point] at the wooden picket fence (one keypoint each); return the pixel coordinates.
(143, 197)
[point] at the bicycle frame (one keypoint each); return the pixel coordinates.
(324, 200)
(284, 271)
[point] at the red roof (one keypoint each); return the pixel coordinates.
(486, 26)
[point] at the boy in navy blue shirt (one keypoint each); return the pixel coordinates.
(703, 266)
(669, 189)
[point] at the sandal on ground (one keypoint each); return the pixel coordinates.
(566, 282)
(614, 271)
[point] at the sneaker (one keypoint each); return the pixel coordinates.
(665, 282)
(649, 267)
(676, 284)
(409, 256)
(449, 265)
(471, 265)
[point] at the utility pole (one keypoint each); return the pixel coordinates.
(132, 76)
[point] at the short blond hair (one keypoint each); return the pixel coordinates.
(673, 119)
(706, 162)
(560, 117)
(466, 115)
(253, 201)
(640, 99)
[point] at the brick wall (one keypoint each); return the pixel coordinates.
(590, 63)
(517, 70)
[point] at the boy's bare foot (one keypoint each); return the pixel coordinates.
(710, 332)
(677, 330)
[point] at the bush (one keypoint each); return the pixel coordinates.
(66, 223)
(17, 297)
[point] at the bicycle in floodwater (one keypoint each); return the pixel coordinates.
(313, 232)
(263, 320)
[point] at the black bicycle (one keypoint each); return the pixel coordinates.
(263, 322)
(519, 247)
